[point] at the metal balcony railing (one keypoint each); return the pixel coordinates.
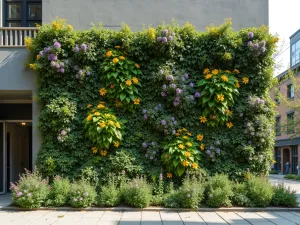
(14, 36)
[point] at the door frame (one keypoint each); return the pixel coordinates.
(5, 150)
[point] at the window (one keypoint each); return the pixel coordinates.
(290, 123)
(277, 96)
(22, 13)
(290, 91)
(278, 126)
(296, 53)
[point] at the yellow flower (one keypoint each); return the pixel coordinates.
(100, 106)
(208, 76)
(206, 71)
(107, 115)
(227, 56)
(102, 91)
(116, 144)
(179, 131)
(200, 137)
(189, 144)
(228, 112)
(117, 46)
(220, 98)
(115, 60)
(229, 125)
(103, 152)
(245, 80)
(38, 56)
(95, 150)
(169, 175)
(203, 119)
(195, 166)
(102, 124)
(152, 33)
(215, 72)
(187, 154)
(137, 65)
(108, 54)
(181, 146)
(94, 110)
(137, 101)
(189, 133)
(33, 66)
(89, 106)
(118, 125)
(135, 80)
(184, 129)
(89, 118)
(96, 114)
(237, 84)
(57, 25)
(236, 71)
(177, 134)
(202, 146)
(128, 82)
(185, 163)
(111, 123)
(70, 27)
(227, 71)
(121, 57)
(224, 78)
(185, 137)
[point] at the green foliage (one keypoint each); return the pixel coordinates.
(284, 197)
(218, 93)
(218, 191)
(239, 197)
(59, 192)
(137, 193)
(259, 191)
(290, 176)
(82, 194)
(110, 194)
(30, 191)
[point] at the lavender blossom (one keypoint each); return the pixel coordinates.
(158, 39)
(173, 86)
(41, 53)
(192, 84)
(166, 32)
(76, 49)
(173, 119)
(218, 151)
(53, 64)
(62, 70)
(164, 94)
(145, 145)
(192, 97)
(19, 194)
(250, 35)
(178, 91)
(56, 45)
(164, 87)
(250, 43)
(186, 76)
(176, 103)
(170, 38)
(164, 40)
(145, 116)
(163, 122)
(83, 47)
(256, 46)
(197, 94)
(263, 43)
(88, 73)
(170, 78)
(153, 143)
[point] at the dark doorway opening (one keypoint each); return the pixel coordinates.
(286, 158)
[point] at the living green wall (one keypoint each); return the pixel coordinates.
(223, 78)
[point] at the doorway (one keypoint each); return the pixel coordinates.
(286, 158)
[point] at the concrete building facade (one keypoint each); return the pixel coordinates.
(19, 112)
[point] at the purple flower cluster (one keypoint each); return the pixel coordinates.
(83, 47)
(61, 137)
(164, 38)
(214, 151)
(150, 150)
(56, 44)
(258, 102)
(261, 48)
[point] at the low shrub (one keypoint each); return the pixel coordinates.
(273, 172)
(110, 194)
(30, 191)
(82, 194)
(239, 198)
(218, 191)
(297, 177)
(259, 191)
(158, 191)
(137, 193)
(290, 176)
(284, 197)
(59, 192)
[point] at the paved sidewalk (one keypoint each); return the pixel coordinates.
(146, 218)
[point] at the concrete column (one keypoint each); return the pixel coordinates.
(36, 136)
(281, 153)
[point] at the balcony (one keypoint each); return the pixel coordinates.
(14, 36)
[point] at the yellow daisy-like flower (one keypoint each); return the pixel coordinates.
(100, 106)
(169, 175)
(103, 152)
(118, 125)
(189, 133)
(181, 146)
(236, 71)
(189, 144)
(108, 54)
(89, 118)
(111, 123)
(187, 154)
(102, 124)
(115, 60)
(237, 84)
(28, 42)
(229, 125)
(220, 98)
(224, 78)
(206, 71)
(96, 114)
(136, 101)
(121, 57)
(195, 166)
(177, 134)
(179, 131)
(95, 150)
(135, 80)
(116, 144)
(200, 137)
(137, 65)
(215, 72)
(152, 33)
(38, 57)
(184, 129)
(208, 76)
(245, 80)
(185, 137)
(203, 119)
(128, 82)
(117, 46)
(94, 110)
(57, 25)
(33, 66)
(102, 91)
(185, 163)
(70, 27)
(202, 146)
(107, 115)
(227, 71)
(89, 106)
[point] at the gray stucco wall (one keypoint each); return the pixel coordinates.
(201, 13)
(13, 76)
